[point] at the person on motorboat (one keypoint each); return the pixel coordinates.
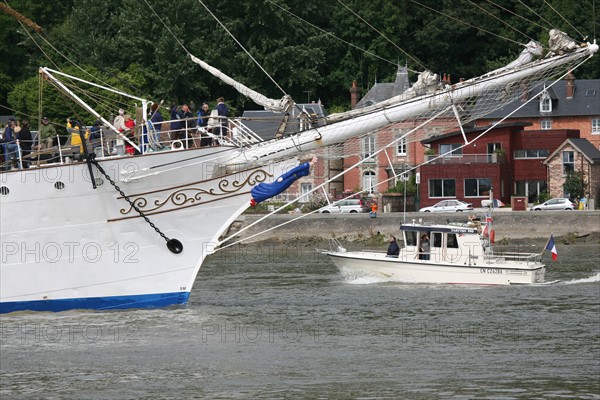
(393, 249)
(424, 247)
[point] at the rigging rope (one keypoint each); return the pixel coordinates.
(356, 165)
(466, 23)
(242, 47)
(383, 36)
(536, 14)
(430, 160)
(333, 36)
(518, 15)
(166, 26)
(500, 19)
(564, 19)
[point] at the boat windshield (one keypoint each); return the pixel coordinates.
(411, 238)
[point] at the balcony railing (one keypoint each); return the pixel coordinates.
(488, 158)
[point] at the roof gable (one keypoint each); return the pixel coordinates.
(585, 101)
(583, 146)
(384, 91)
(266, 123)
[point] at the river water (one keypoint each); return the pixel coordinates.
(268, 322)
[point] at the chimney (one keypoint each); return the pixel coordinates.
(353, 95)
(570, 88)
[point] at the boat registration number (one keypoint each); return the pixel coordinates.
(497, 271)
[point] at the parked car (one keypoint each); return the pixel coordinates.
(344, 206)
(449, 206)
(555, 204)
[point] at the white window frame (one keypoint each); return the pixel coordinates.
(546, 124)
(571, 162)
(368, 146)
(369, 179)
(304, 189)
(401, 147)
(596, 126)
(545, 103)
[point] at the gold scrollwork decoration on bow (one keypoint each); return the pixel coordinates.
(194, 195)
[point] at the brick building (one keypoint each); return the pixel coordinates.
(509, 159)
(574, 155)
(569, 104)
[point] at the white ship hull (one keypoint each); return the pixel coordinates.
(67, 245)
(80, 247)
(407, 269)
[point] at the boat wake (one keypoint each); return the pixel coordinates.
(593, 278)
(365, 280)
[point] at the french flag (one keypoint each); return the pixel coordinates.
(552, 247)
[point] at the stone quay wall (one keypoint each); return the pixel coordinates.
(353, 227)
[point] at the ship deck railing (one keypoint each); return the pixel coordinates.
(110, 144)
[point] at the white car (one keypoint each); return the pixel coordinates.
(448, 206)
(555, 204)
(344, 206)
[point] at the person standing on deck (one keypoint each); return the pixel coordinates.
(9, 143)
(393, 249)
(202, 124)
(25, 141)
(156, 120)
(47, 134)
(425, 247)
(186, 121)
(223, 112)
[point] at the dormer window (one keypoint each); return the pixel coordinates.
(545, 103)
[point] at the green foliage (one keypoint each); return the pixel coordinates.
(543, 197)
(575, 184)
(25, 95)
(411, 186)
(126, 41)
(315, 202)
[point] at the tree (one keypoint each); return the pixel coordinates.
(575, 184)
(113, 35)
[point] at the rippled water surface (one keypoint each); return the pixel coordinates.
(273, 322)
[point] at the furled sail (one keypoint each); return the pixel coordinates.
(285, 104)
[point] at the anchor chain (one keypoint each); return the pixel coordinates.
(173, 245)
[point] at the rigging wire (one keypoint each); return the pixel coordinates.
(166, 26)
(73, 85)
(564, 19)
(466, 23)
(533, 11)
(333, 36)
(517, 15)
(499, 19)
(242, 47)
(382, 35)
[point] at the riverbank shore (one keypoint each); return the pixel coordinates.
(508, 225)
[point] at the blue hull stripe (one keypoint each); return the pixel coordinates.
(99, 303)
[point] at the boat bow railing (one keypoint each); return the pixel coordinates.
(526, 258)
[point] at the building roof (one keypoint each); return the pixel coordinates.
(585, 101)
(266, 123)
(583, 146)
(435, 138)
(383, 91)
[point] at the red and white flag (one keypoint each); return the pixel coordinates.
(552, 247)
